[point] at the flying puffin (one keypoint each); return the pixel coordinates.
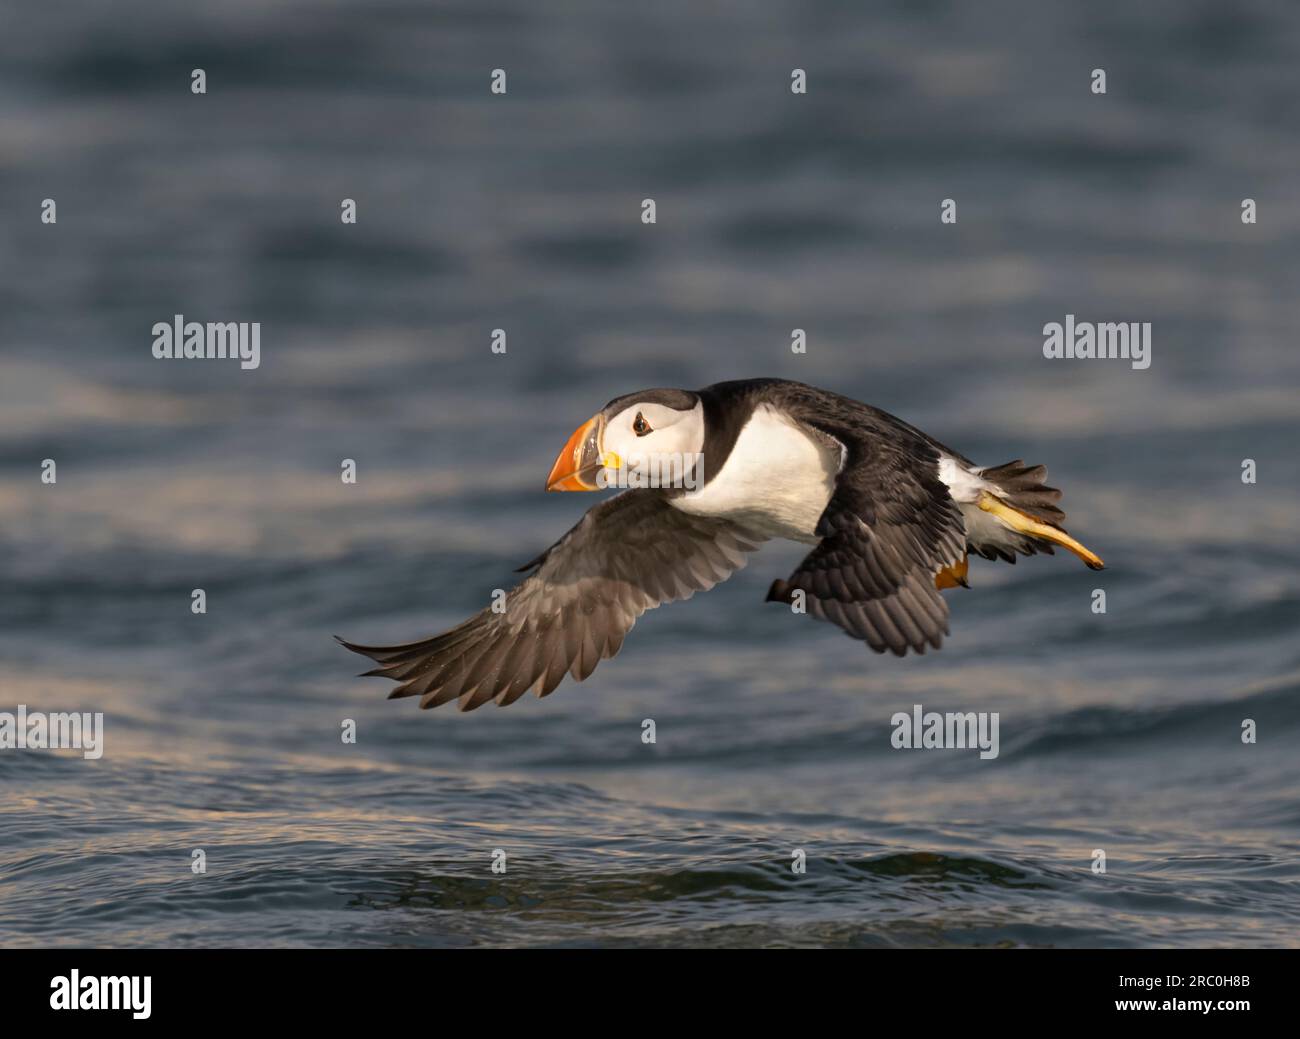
(891, 512)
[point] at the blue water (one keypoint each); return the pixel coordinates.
(1119, 731)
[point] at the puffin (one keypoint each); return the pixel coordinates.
(708, 475)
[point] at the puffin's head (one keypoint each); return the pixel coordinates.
(634, 437)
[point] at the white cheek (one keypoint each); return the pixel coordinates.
(677, 443)
(662, 441)
(627, 445)
(642, 448)
(681, 438)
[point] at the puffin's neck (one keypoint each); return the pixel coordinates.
(727, 407)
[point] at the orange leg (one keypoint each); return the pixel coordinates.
(1017, 520)
(953, 576)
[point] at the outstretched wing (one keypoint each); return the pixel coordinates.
(625, 556)
(888, 528)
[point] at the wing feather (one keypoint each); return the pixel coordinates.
(627, 555)
(888, 528)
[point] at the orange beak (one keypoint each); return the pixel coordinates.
(580, 460)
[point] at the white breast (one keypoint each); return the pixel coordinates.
(776, 481)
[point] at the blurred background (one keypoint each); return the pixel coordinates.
(1119, 731)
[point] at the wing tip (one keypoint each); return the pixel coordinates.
(778, 592)
(352, 646)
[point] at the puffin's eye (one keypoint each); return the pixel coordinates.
(641, 427)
